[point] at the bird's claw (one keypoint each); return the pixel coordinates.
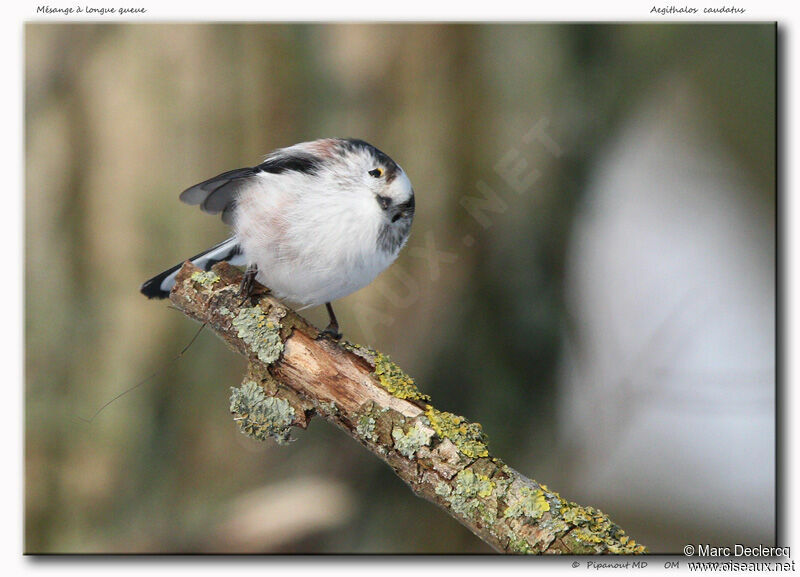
(330, 333)
(248, 287)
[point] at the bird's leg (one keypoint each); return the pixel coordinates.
(332, 330)
(246, 287)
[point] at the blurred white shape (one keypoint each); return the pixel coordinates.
(276, 515)
(669, 376)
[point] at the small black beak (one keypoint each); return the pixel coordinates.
(404, 210)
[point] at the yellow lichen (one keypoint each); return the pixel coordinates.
(528, 502)
(595, 532)
(467, 437)
(486, 486)
(395, 381)
(391, 377)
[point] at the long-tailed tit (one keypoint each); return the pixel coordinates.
(314, 222)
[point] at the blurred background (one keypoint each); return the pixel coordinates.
(590, 275)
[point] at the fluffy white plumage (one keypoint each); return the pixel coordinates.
(316, 240)
(319, 220)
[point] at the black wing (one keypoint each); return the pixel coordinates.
(218, 195)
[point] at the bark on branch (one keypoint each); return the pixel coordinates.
(443, 458)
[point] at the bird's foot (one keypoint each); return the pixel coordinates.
(330, 333)
(248, 287)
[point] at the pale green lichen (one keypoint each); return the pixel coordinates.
(261, 332)
(502, 483)
(365, 427)
(375, 423)
(260, 416)
(408, 443)
(554, 524)
(527, 502)
(467, 437)
(466, 496)
(328, 408)
(205, 278)
(519, 545)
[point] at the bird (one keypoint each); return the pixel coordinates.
(314, 222)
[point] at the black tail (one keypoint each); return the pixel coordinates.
(159, 286)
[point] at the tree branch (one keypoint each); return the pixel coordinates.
(443, 458)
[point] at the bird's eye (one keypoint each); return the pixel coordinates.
(375, 173)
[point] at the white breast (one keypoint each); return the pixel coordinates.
(310, 246)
